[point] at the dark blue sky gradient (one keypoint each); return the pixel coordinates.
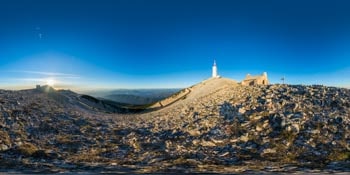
(149, 43)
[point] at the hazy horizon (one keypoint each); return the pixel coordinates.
(171, 44)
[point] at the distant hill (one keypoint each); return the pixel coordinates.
(73, 101)
(139, 96)
(131, 99)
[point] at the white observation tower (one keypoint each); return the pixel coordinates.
(215, 70)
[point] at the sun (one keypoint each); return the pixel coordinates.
(50, 82)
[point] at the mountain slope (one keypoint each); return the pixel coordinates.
(220, 126)
(198, 91)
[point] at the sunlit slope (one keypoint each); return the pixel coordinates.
(200, 90)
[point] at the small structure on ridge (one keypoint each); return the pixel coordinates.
(255, 80)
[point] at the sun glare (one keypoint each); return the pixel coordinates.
(50, 82)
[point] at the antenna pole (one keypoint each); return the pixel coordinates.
(283, 78)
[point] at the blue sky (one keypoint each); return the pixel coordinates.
(165, 44)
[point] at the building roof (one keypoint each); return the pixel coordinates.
(249, 77)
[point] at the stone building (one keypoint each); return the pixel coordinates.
(255, 80)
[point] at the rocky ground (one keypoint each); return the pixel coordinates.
(220, 126)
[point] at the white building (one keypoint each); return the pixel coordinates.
(215, 70)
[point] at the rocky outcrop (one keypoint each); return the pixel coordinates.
(287, 124)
